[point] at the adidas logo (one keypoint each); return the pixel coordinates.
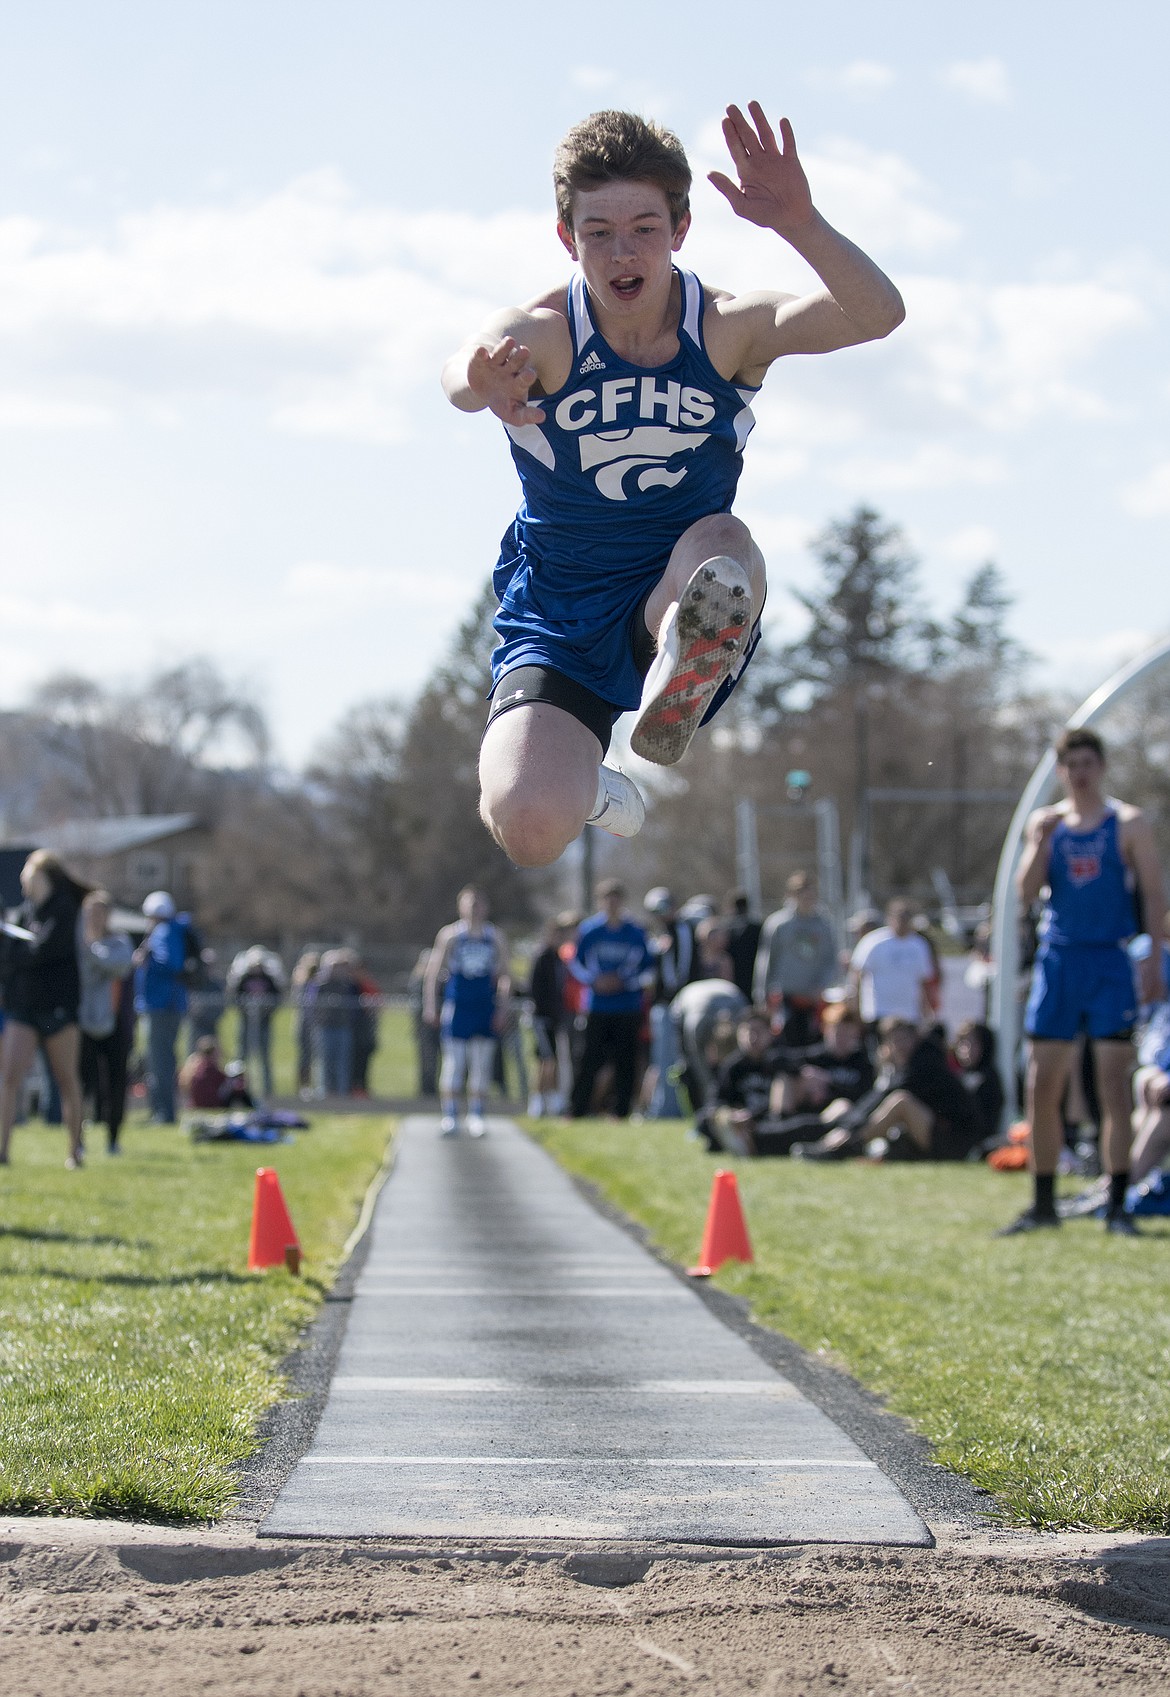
(591, 362)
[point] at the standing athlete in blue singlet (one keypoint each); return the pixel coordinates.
(470, 960)
(625, 581)
(1094, 855)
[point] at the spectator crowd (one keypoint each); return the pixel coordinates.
(765, 1033)
(96, 1003)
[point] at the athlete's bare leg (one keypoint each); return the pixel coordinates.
(721, 533)
(538, 781)
(538, 765)
(1114, 1067)
(1048, 1071)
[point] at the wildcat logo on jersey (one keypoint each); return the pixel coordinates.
(1083, 865)
(654, 448)
(654, 452)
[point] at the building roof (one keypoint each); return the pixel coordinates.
(99, 838)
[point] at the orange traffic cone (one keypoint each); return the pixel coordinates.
(725, 1236)
(274, 1241)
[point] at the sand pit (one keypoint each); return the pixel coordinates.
(104, 1611)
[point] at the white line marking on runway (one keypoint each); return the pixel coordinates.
(574, 1461)
(421, 1386)
(545, 1293)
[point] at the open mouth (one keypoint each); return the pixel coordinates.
(626, 288)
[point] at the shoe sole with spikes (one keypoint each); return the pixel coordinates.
(702, 640)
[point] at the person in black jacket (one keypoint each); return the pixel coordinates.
(918, 1109)
(974, 1053)
(42, 993)
(550, 1016)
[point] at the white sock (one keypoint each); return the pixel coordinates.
(601, 800)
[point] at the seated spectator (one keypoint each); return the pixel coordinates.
(918, 1110)
(974, 1054)
(1151, 1091)
(742, 1088)
(836, 1070)
(202, 1078)
(234, 1092)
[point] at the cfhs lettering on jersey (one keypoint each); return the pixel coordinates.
(620, 398)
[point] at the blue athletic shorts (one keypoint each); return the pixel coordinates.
(463, 1022)
(1081, 988)
(594, 634)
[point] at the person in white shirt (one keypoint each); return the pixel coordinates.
(891, 969)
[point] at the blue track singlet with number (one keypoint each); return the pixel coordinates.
(628, 457)
(1083, 978)
(469, 1000)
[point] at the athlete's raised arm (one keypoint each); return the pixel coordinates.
(858, 303)
(496, 368)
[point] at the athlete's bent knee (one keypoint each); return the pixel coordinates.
(530, 833)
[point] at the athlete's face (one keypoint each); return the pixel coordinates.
(1082, 770)
(622, 237)
(472, 908)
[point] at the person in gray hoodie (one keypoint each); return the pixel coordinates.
(796, 961)
(105, 959)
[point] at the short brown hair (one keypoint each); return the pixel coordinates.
(1082, 737)
(615, 146)
(610, 887)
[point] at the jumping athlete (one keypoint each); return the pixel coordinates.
(625, 581)
(1093, 854)
(472, 956)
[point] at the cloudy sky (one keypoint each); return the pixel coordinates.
(237, 240)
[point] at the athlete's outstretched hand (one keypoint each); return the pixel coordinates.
(502, 376)
(773, 189)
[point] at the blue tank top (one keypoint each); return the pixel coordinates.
(628, 456)
(472, 966)
(1090, 890)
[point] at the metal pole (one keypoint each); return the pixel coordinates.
(747, 852)
(587, 877)
(1004, 1012)
(829, 863)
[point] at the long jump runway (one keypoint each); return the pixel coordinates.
(516, 1367)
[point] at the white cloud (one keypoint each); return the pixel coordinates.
(592, 78)
(971, 545)
(859, 76)
(979, 79)
(1083, 663)
(42, 412)
(931, 465)
(325, 586)
(1149, 496)
(325, 309)
(878, 198)
(60, 616)
(1008, 353)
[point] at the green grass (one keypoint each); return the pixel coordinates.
(137, 1353)
(1037, 1366)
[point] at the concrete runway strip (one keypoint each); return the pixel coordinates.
(515, 1367)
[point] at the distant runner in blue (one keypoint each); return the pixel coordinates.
(466, 981)
(1097, 859)
(625, 581)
